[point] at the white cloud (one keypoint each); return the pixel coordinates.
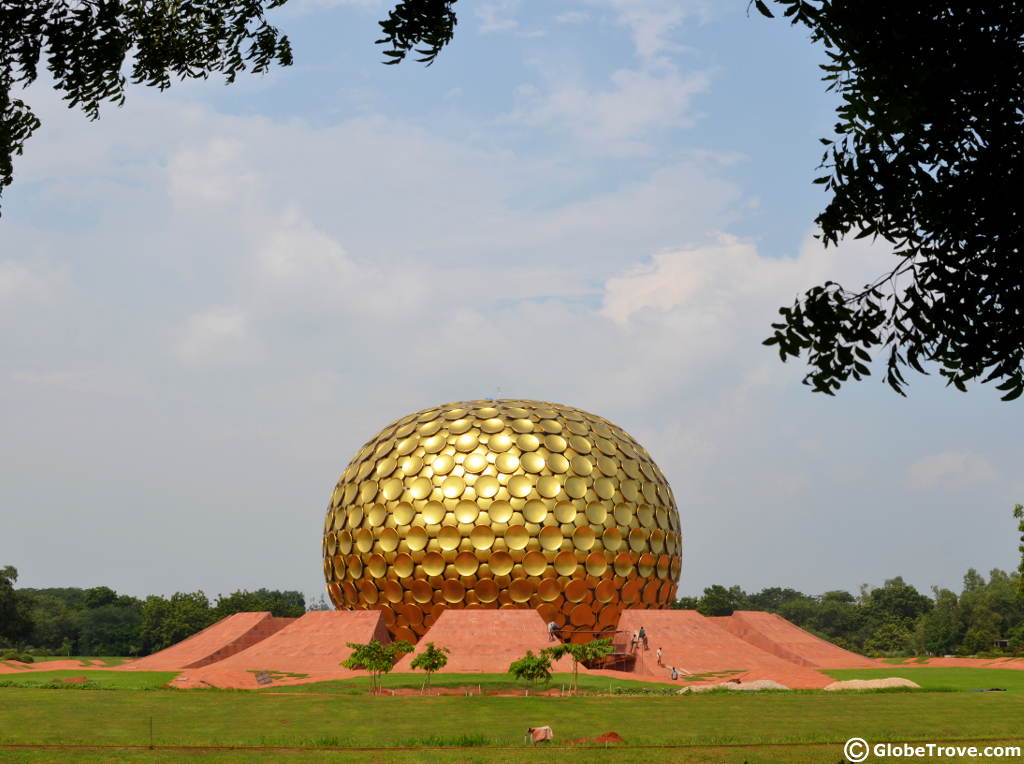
(497, 16)
(216, 336)
(950, 471)
(651, 21)
(24, 283)
(620, 119)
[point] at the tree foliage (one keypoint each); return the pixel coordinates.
(927, 155)
(430, 660)
(532, 668)
(893, 618)
(581, 652)
(92, 49)
(1018, 512)
(376, 657)
(428, 23)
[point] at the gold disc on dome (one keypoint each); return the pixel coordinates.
(466, 564)
(474, 463)
(433, 512)
(583, 537)
(481, 537)
(416, 538)
(403, 565)
(549, 486)
(535, 511)
(377, 565)
(520, 486)
(645, 565)
(582, 615)
(596, 563)
(623, 564)
(612, 539)
(500, 443)
(534, 563)
(555, 443)
(500, 512)
(565, 563)
(421, 591)
(433, 564)
(364, 540)
(507, 463)
(368, 592)
(604, 488)
(638, 539)
(420, 488)
(517, 537)
(389, 540)
(448, 537)
(521, 590)
(403, 513)
(605, 591)
(501, 563)
(492, 425)
(453, 590)
(486, 486)
(442, 464)
(532, 462)
(550, 538)
(597, 512)
(528, 442)
(549, 590)
(576, 590)
(576, 487)
(466, 511)
(565, 511)
(453, 487)
(467, 442)
(557, 463)
(486, 590)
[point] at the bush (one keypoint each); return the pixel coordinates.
(12, 655)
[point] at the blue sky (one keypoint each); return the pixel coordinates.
(211, 297)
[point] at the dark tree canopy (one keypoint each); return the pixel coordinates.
(928, 156)
(86, 44)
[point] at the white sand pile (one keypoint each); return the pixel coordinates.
(871, 684)
(757, 684)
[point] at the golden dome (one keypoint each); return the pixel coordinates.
(502, 503)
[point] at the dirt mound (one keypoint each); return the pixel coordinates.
(702, 651)
(871, 684)
(223, 639)
(757, 684)
(774, 634)
(485, 641)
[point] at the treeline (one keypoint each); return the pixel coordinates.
(99, 621)
(986, 617)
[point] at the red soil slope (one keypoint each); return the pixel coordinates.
(698, 645)
(313, 645)
(776, 635)
(214, 643)
(485, 641)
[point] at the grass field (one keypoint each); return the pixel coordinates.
(770, 727)
(935, 678)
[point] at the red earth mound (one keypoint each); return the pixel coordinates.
(213, 644)
(485, 641)
(774, 634)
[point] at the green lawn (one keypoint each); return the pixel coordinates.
(937, 678)
(473, 682)
(101, 680)
(732, 728)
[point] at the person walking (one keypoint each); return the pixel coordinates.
(642, 635)
(659, 657)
